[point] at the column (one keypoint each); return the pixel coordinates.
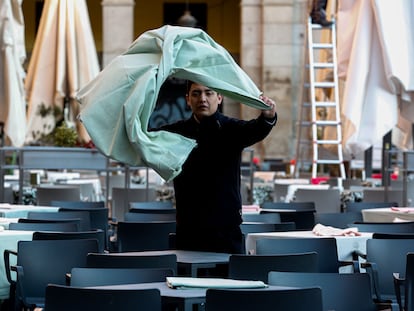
(118, 27)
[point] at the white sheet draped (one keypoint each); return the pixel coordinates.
(375, 57)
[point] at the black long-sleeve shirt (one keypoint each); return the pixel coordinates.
(207, 191)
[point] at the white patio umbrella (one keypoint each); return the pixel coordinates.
(12, 57)
(64, 59)
(375, 56)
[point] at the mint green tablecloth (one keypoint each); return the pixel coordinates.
(117, 104)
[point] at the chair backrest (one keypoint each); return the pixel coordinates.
(148, 216)
(388, 256)
(84, 204)
(325, 247)
(42, 262)
(45, 194)
(144, 236)
(97, 234)
(68, 298)
(378, 195)
(257, 267)
(121, 197)
(338, 220)
(301, 213)
(115, 260)
(75, 221)
(326, 200)
(279, 192)
(99, 218)
(297, 299)
(310, 205)
(114, 276)
(384, 227)
(254, 227)
(340, 291)
(271, 218)
(151, 205)
(378, 235)
(51, 226)
(348, 182)
(83, 216)
(359, 206)
(409, 282)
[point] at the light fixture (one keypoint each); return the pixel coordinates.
(187, 20)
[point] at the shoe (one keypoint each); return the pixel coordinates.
(319, 17)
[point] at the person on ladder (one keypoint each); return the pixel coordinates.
(318, 13)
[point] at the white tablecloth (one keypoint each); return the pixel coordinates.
(21, 211)
(386, 214)
(8, 240)
(346, 244)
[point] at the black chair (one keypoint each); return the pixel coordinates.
(340, 291)
(254, 227)
(301, 213)
(97, 234)
(45, 226)
(99, 218)
(45, 194)
(164, 206)
(83, 216)
(326, 200)
(376, 235)
(257, 267)
(380, 195)
(144, 236)
(68, 298)
(149, 216)
(40, 263)
(271, 218)
(359, 206)
(338, 220)
(298, 299)
(310, 205)
(83, 204)
(384, 227)
(83, 277)
(383, 258)
(325, 247)
(116, 260)
(403, 285)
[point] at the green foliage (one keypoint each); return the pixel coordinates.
(65, 136)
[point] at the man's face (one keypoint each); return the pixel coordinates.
(203, 101)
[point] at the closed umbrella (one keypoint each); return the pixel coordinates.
(12, 57)
(64, 59)
(375, 56)
(117, 105)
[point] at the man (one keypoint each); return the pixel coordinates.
(207, 190)
(318, 13)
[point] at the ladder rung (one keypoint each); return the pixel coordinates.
(324, 84)
(327, 122)
(320, 161)
(328, 142)
(322, 45)
(319, 27)
(323, 65)
(325, 104)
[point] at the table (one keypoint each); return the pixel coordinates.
(346, 244)
(293, 187)
(21, 211)
(8, 240)
(386, 214)
(5, 221)
(190, 261)
(184, 299)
